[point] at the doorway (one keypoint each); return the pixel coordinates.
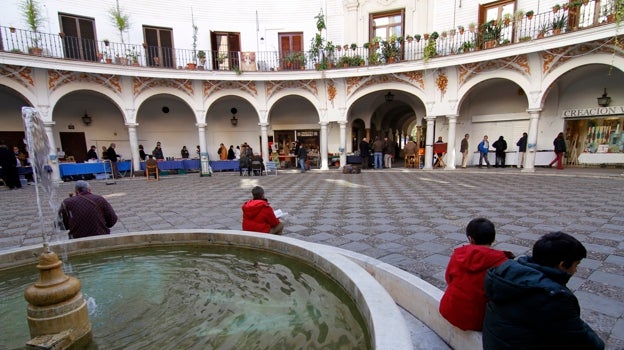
(74, 144)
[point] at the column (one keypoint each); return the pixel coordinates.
(367, 134)
(134, 145)
(203, 150)
(529, 165)
(56, 171)
(450, 150)
(343, 143)
(429, 144)
(264, 139)
(323, 146)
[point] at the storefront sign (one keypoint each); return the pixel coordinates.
(593, 112)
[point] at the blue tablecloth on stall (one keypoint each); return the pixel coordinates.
(220, 165)
(354, 160)
(185, 164)
(69, 169)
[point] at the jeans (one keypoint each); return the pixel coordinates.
(484, 156)
(378, 160)
(302, 165)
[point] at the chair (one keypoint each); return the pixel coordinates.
(271, 168)
(152, 170)
(439, 149)
(410, 161)
(256, 167)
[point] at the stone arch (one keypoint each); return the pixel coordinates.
(513, 77)
(23, 91)
(215, 96)
(140, 99)
(64, 90)
(308, 96)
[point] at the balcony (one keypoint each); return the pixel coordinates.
(574, 17)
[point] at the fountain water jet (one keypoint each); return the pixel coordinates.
(57, 312)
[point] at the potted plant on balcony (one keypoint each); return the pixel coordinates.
(461, 30)
(417, 37)
(491, 32)
(345, 61)
(430, 49)
(201, 55)
(559, 24)
(529, 14)
(295, 60)
(543, 29)
(391, 49)
(330, 48)
(120, 20)
(33, 15)
(317, 45)
(556, 8)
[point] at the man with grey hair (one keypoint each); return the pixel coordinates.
(86, 214)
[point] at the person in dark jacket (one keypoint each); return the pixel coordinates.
(530, 306)
(560, 149)
(463, 302)
(258, 216)
(92, 153)
(112, 155)
(86, 214)
(364, 153)
(500, 146)
(522, 145)
(8, 162)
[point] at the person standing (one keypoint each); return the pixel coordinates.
(484, 148)
(86, 214)
(112, 156)
(378, 147)
(142, 155)
(258, 216)
(231, 154)
(560, 148)
(223, 152)
(92, 153)
(438, 155)
(302, 155)
(530, 306)
(463, 148)
(500, 146)
(184, 152)
(364, 153)
(463, 303)
(8, 161)
(237, 152)
(104, 155)
(522, 146)
(388, 152)
(411, 150)
(158, 152)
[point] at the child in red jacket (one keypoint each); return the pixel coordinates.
(463, 303)
(258, 215)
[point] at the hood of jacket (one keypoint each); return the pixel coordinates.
(475, 258)
(515, 279)
(253, 207)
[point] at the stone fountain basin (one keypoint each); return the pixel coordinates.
(377, 288)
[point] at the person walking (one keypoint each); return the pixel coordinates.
(464, 150)
(500, 146)
(378, 147)
(86, 214)
(302, 155)
(364, 153)
(484, 148)
(560, 149)
(522, 146)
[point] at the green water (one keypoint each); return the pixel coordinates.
(198, 298)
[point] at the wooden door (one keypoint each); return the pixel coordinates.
(291, 45)
(74, 144)
(79, 37)
(159, 51)
(225, 50)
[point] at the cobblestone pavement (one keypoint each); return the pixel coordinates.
(412, 219)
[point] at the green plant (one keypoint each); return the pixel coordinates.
(466, 46)
(373, 57)
(357, 60)
(354, 46)
(33, 15)
(417, 37)
(409, 38)
(491, 31)
(559, 23)
(221, 57)
(391, 49)
(556, 8)
(120, 20)
(345, 61)
(366, 45)
(132, 55)
(518, 15)
(296, 58)
(430, 49)
(320, 21)
(530, 14)
(507, 19)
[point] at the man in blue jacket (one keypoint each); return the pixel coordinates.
(530, 306)
(484, 148)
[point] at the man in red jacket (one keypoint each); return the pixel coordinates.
(258, 216)
(464, 301)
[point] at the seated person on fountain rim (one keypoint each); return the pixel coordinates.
(258, 216)
(86, 214)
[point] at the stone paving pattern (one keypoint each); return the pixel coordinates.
(409, 218)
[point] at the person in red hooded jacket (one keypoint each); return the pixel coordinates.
(258, 216)
(464, 301)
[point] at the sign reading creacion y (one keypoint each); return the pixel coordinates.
(593, 112)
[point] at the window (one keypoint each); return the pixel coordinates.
(386, 24)
(159, 47)
(225, 49)
(291, 50)
(497, 11)
(79, 37)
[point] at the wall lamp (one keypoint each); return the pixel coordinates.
(604, 100)
(234, 121)
(389, 97)
(86, 119)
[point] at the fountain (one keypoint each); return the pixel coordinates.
(57, 311)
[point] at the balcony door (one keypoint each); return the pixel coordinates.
(159, 47)
(225, 50)
(291, 50)
(79, 37)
